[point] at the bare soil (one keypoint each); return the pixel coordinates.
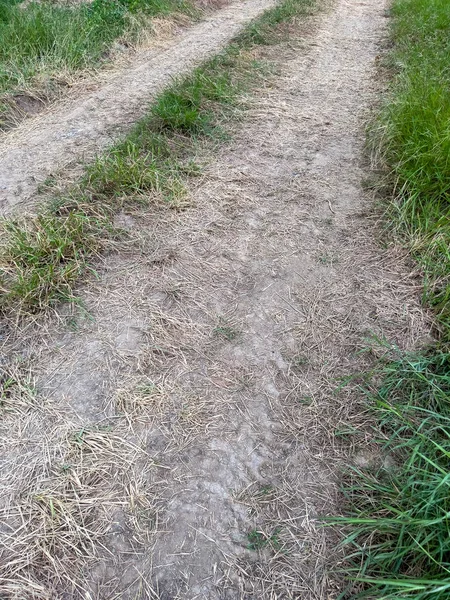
(80, 127)
(184, 442)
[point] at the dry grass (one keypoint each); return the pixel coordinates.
(17, 394)
(68, 490)
(63, 524)
(286, 546)
(212, 4)
(71, 489)
(181, 418)
(179, 410)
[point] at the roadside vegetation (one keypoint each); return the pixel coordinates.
(398, 516)
(42, 258)
(44, 44)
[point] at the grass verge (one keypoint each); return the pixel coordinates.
(42, 258)
(44, 44)
(413, 134)
(398, 516)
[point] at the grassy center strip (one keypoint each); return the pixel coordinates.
(43, 257)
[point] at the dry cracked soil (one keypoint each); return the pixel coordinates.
(184, 433)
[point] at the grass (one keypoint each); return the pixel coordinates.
(226, 329)
(43, 258)
(413, 133)
(397, 517)
(44, 43)
(65, 512)
(17, 390)
(258, 540)
(265, 31)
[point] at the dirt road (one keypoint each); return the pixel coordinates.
(195, 415)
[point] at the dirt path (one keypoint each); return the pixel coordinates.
(192, 422)
(41, 146)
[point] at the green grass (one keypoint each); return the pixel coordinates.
(414, 135)
(226, 332)
(258, 540)
(42, 259)
(43, 43)
(397, 517)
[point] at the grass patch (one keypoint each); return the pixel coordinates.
(17, 390)
(130, 170)
(265, 30)
(226, 332)
(42, 258)
(398, 518)
(258, 540)
(413, 133)
(43, 43)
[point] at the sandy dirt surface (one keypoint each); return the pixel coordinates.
(41, 146)
(183, 440)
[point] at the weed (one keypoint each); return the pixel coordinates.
(226, 331)
(327, 258)
(265, 490)
(305, 400)
(258, 540)
(299, 361)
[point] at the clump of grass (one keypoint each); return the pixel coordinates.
(227, 332)
(179, 112)
(413, 133)
(41, 259)
(17, 390)
(191, 106)
(398, 543)
(128, 170)
(258, 540)
(43, 39)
